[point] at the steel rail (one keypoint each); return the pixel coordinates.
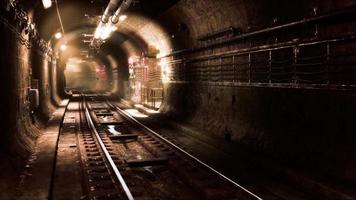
(107, 155)
(132, 119)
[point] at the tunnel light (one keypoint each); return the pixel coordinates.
(107, 32)
(58, 35)
(104, 31)
(64, 47)
(165, 70)
(122, 18)
(98, 31)
(47, 3)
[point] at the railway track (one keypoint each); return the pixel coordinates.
(124, 159)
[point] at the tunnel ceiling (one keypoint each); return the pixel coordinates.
(81, 17)
(161, 22)
(74, 13)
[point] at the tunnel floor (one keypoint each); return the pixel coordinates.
(74, 165)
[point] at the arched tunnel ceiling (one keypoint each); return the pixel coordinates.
(135, 36)
(75, 12)
(81, 17)
(200, 16)
(159, 23)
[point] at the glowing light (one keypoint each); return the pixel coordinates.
(122, 18)
(166, 70)
(162, 63)
(160, 55)
(132, 60)
(47, 3)
(104, 31)
(64, 47)
(58, 35)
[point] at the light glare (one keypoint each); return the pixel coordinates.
(122, 18)
(64, 47)
(47, 3)
(104, 31)
(58, 35)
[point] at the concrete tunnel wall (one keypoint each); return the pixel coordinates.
(20, 126)
(313, 129)
(294, 126)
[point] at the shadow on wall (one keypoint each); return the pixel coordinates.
(310, 128)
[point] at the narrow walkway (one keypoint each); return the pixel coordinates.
(37, 183)
(67, 176)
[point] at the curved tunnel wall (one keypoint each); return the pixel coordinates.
(21, 124)
(294, 126)
(284, 123)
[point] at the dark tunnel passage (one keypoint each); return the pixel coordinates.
(178, 99)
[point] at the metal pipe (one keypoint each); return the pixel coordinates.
(110, 9)
(350, 10)
(123, 7)
(230, 31)
(113, 4)
(273, 47)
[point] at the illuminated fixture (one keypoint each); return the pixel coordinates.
(63, 47)
(122, 18)
(58, 35)
(107, 26)
(47, 3)
(104, 31)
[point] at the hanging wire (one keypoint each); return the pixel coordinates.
(59, 17)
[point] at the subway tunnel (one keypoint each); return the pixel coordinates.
(178, 99)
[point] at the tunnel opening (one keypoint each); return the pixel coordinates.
(86, 76)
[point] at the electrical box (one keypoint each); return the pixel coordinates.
(34, 98)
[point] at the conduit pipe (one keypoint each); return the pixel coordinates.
(122, 8)
(110, 9)
(107, 26)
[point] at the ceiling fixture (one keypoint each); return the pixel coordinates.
(64, 47)
(110, 17)
(58, 35)
(103, 32)
(47, 3)
(60, 21)
(122, 8)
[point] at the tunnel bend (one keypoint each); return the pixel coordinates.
(272, 79)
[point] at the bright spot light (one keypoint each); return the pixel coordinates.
(122, 18)
(47, 3)
(132, 60)
(166, 70)
(98, 31)
(64, 47)
(58, 35)
(104, 31)
(160, 55)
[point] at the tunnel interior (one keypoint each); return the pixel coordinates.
(268, 83)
